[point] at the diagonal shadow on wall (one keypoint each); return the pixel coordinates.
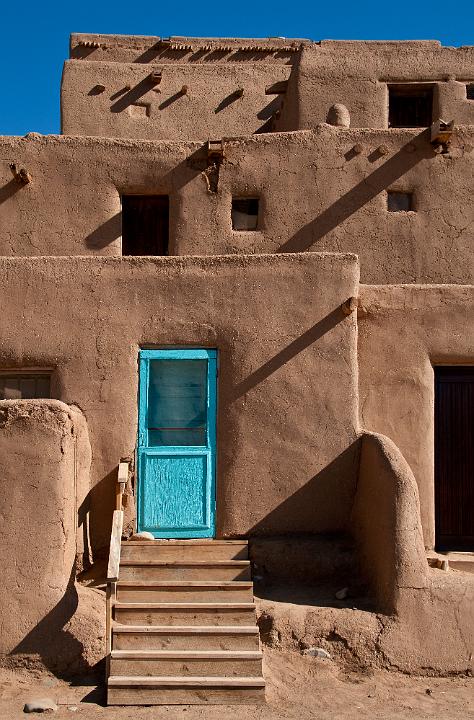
(384, 176)
(314, 333)
(322, 504)
(105, 234)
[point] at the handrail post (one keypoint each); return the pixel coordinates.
(114, 559)
(121, 483)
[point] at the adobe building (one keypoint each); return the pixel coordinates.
(237, 302)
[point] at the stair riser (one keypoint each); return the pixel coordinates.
(181, 553)
(184, 573)
(185, 617)
(191, 667)
(183, 595)
(185, 696)
(197, 641)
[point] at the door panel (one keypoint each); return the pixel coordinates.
(454, 457)
(176, 443)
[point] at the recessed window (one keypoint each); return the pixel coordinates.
(470, 91)
(244, 213)
(145, 224)
(410, 106)
(399, 201)
(24, 385)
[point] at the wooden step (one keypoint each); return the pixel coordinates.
(185, 614)
(144, 690)
(185, 550)
(206, 637)
(184, 591)
(223, 663)
(185, 570)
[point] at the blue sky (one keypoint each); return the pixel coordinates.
(34, 36)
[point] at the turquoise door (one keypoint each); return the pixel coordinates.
(177, 443)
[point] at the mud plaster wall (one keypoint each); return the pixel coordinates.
(287, 382)
(386, 521)
(40, 480)
(356, 74)
(191, 102)
(405, 331)
(72, 205)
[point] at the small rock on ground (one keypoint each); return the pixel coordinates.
(317, 652)
(142, 536)
(40, 705)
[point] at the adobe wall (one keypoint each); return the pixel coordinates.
(403, 332)
(285, 464)
(356, 74)
(72, 206)
(191, 102)
(40, 480)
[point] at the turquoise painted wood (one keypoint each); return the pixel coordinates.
(176, 451)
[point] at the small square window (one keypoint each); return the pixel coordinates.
(244, 213)
(24, 385)
(470, 91)
(399, 201)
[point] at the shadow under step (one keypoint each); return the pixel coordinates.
(214, 663)
(185, 613)
(147, 690)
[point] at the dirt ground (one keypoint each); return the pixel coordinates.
(297, 687)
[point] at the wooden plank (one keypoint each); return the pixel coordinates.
(146, 681)
(159, 551)
(185, 641)
(231, 584)
(227, 666)
(196, 654)
(185, 696)
(141, 593)
(184, 571)
(188, 629)
(187, 563)
(185, 606)
(207, 542)
(115, 547)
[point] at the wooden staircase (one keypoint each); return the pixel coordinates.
(181, 625)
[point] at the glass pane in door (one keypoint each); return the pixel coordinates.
(177, 403)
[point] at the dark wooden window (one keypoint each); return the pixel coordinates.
(24, 385)
(145, 224)
(454, 457)
(470, 91)
(399, 201)
(410, 105)
(244, 213)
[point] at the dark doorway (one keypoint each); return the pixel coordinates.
(410, 106)
(145, 224)
(454, 457)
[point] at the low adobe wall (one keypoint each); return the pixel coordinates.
(287, 392)
(386, 522)
(427, 624)
(403, 332)
(44, 484)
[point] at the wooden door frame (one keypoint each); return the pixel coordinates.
(144, 358)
